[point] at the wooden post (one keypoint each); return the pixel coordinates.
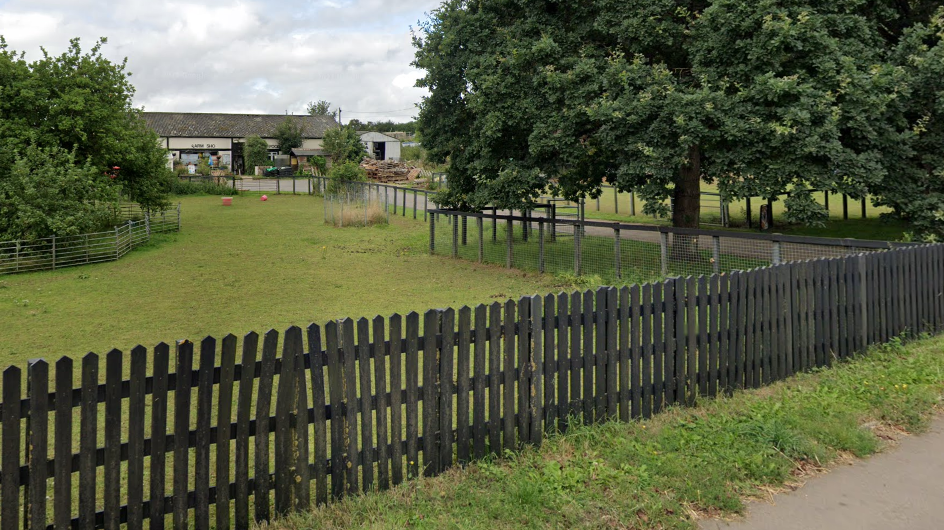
(494, 226)
(863, 301)
(845, 207)
(748, 208)
(617, 253)
(53, 252)
(540, 245)
(775, 253)
(863, 207)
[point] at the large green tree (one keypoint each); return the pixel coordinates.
(343, 144)
(656, 96)
(289, 135)
(322, 107)
(80, 103)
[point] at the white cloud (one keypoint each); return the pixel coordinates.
(242, 55)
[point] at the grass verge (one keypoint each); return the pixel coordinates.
(667, 471)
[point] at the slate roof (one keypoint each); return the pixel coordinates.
(217, 125)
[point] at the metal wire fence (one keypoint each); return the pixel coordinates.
(354, 204)
(621, 253)
(57, 252)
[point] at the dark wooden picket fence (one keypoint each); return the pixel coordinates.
(223, 436)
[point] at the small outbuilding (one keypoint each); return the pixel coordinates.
(380, 146)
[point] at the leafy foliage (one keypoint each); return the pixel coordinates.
(319, 108)
(345, 172)
(656, 96)
(288, 135)
(77, 103)
(255, 152)
(69, 199)
(917, 191)
(384, 126)
(344, 144)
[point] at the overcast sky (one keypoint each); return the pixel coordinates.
(247, 56)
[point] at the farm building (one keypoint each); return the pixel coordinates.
(380, 146)
(220, 137)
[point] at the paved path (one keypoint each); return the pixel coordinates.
(903, 488)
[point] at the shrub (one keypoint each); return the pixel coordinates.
(255, 153)
(185, 187)
(347, 171)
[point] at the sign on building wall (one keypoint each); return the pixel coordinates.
(200, 143)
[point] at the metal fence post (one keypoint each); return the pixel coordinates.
(540, 245)
(578, 240)
(278, 186)
(553, 222)
(432, 233)
(664, 252)
(775, 253)
(617, 253)
(414, 204)
(455, 235)
(716, 254)
(53, 252)
(117, 244)
(509, 237)
(478, 222)
(495, 226)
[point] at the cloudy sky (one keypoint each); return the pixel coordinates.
(246, 56)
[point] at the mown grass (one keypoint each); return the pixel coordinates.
(248, 267)
(659, 473)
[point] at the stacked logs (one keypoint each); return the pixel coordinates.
(389, 171)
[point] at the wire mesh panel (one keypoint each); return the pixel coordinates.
(616, 252)
(354, 204)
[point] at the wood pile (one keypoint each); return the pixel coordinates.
(389, 171)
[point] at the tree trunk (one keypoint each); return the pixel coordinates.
(687, 206)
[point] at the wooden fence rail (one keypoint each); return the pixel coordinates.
(229, 432)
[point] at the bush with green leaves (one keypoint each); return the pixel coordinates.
(345, 172)
(46, 192)
(344, 144)
(255, 153)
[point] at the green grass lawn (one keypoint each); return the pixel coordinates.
(658, 473)
(249, 267)
(872, 227)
